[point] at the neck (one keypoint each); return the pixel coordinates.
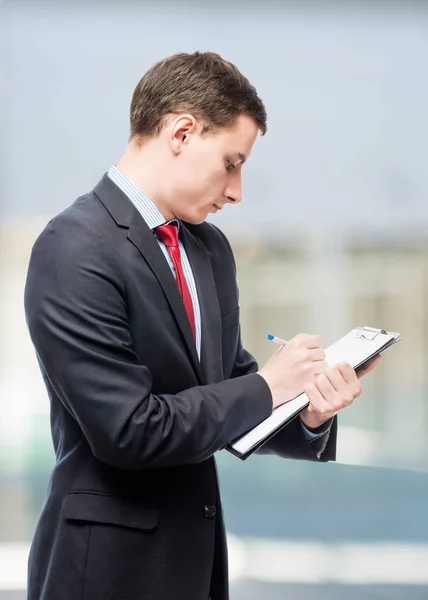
(143, 166)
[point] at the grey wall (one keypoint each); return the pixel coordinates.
(345, 86)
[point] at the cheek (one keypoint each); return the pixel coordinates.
(202, 180)
(216, 182)
(206, 187)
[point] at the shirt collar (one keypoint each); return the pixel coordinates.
(147, 209)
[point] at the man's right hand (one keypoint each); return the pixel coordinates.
(292, 366)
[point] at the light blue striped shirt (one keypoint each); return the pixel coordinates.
(153, 217)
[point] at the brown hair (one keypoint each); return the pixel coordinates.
(202, 83)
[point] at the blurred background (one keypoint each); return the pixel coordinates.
(332, 234)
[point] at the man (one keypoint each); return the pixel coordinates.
(132, 306)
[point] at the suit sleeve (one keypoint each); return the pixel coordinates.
(76, 311)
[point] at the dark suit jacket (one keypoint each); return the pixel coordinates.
(133, 508)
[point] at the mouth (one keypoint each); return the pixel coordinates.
(217, 206)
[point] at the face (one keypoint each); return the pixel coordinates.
(206, 170)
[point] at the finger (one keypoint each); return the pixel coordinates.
(347, 372)
(352, 386)
(326, 389)
(316, 354)
(335, 377)
(318, 367)
(317, 404)
(343, 393)
(369, 366)
(315, 397)
(306, 340)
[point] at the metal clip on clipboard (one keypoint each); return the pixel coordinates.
(369, 333)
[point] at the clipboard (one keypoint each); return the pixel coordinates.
(357, 347)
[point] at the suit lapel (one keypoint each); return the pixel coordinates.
(211, 337)
(142, 237)
(209, 369)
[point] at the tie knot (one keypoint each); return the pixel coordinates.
(168, 234)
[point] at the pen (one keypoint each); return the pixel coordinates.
(277, 340)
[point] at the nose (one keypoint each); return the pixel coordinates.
(233, 191)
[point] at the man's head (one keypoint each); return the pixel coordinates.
(195, 118)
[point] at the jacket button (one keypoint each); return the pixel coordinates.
(209, 511)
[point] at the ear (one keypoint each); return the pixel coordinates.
(182, 129)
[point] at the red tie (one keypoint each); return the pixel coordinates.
(168, 234)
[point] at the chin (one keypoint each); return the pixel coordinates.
(193, 219)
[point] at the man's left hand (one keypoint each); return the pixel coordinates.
(332, 391)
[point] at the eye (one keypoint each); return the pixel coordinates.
(230, 166)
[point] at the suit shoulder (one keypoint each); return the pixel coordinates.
(80, 216)
(73, 232)
(85, 209)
